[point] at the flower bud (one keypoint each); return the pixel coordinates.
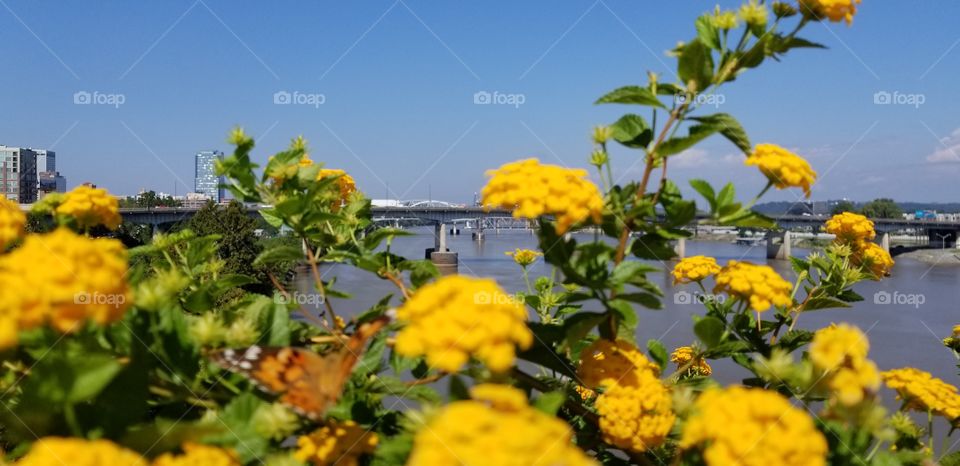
(207, 330)
(783, 10)
(242, 332)
(275, 421)
(754, 14)
(599, 158)
(601, 134)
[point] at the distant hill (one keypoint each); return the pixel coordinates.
(824, 207)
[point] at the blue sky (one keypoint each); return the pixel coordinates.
(398, 78)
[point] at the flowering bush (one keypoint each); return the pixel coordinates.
(163, 354)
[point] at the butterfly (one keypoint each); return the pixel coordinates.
(305, 381)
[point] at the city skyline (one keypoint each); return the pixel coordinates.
(411, 97)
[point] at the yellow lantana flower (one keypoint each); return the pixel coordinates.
(51, 451)
(457, 317)
(752, 427)
(759, 285)
(834, 10)
(851, 229)
(91, 207)
(196, 454)
(12, 223)
(337, 442)
(783, 168)
(532, 189)
(524, 257)
(694, 269)
(924, 392)
(635, 407)
(345, 183)
(64, 279)
(874, 259)
(840, 353)
(683, 355)
(497, 427)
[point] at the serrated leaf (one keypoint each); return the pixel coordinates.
(632, 131)
(658, 353)
(709, 330)
(549, 403)
(631, 95)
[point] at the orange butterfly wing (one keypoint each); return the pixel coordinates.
(307, 382)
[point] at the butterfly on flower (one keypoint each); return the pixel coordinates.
(307, 382)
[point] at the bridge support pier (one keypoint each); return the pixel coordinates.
(885, 242)
(445, 260)
(778, 245)
(681, 248)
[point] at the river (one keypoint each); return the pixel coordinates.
(905, 316)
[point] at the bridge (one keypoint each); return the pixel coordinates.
(479, 220)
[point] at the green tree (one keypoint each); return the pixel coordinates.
(238, 245)
(843, 206)
(882, 208)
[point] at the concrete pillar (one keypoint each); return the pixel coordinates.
(445, 260)
(681, 248)
(885, 242)
(778, 244)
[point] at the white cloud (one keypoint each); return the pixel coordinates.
(949, 150)
(700, 158)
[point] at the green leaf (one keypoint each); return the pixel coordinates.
(623, 309)
(824, 302)
(653, 247)
(799, 265)
(729, 127)
(458, 389)
(632, 131)
(658, 353)
(707, 32)
(280, 253)
(625, 271)
(69, 377)
(709, 330)
(631, 95)
(695, 134)
(549, 403)
(705, 190)
(695, 64)
(374, 238)
(579, 325)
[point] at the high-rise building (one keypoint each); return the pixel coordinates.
(46, 160)
(206, 180)
(18, 174)
(48, 177)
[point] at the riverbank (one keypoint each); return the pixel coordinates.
(934, 256)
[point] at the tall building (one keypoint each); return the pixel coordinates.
(48, 177)
(18, 174)
(206, 180)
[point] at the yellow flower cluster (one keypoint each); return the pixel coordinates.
(635, 408)
(532, 189)
(840, 353)
(759, 285)
(12, 223)
(835, 10)
(64, 279)
(924, 392)
(56, 451)
(606, 363)
(683, 355)
(874, 259)
(856, 231)
(754, 13)
(345, 183)
(694, 268)
(851, 228)
(783, 168)
(495, 427)
(195, 454)
(524, 257)
(457, 317)
(337, 442)
(753, 427)
(91, 207)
